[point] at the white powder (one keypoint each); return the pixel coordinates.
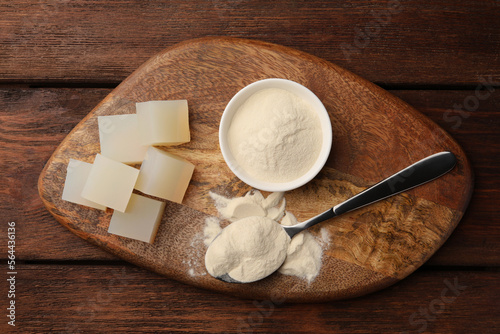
(212, 228)
(275, 136)
(195, 252)
(325, 237)
(248, 250)
(252, 204)
(303, 257)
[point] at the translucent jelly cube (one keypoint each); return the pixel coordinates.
(119, 138)
(76, 175)
(163, 123)
(140, 221)
(164, 175)
(110, 183)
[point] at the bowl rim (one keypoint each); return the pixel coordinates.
(294, 87)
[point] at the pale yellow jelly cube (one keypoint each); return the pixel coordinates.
(164, 175)
(119, 138)
(140, 221)
(77, 173)
(163, 123)
(110, 183)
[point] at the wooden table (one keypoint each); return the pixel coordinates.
(58, 59)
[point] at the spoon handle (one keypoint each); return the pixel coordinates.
(412, 176)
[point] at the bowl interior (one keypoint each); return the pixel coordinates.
(297, 89)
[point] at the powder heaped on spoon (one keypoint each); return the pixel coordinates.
(248, 250)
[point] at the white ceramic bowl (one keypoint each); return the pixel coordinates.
(296, 89)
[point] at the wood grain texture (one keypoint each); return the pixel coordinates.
(373, 247)
(438, 51)
(443, 42)
(39, 119)
(117, 299)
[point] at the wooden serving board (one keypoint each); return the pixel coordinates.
(374, 135)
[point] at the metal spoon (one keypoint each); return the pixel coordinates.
(412, 176)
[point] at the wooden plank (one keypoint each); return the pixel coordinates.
(34, 121)
(390, 42)
(76, 299)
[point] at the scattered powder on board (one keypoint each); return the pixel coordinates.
(212, 228)
(275, 136)
(304, 252)
(195, 253)
(252, 204)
